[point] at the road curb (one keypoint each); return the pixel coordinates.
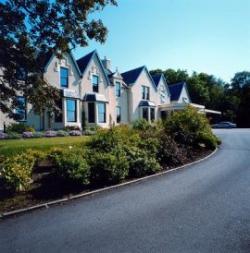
(81, 195)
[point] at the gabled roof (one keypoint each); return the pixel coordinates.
(176, 89)
(157, 78)
(131, 76)
(85, 61)
(44, 60)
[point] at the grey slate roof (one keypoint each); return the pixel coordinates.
(83, 62)
(43, 59)
(156, 78)
(130, 76)
(175, 90)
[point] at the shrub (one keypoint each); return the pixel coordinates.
(141, 163)
(38, 135)
(209, 140)
(50, 133)
(188, 126)
(89, 132)
(107, 168)
(16, 172)
(107, 140)
(19, 128)
(70, 128)
(14, 135)
(62, 133)
(75, 133)
(28, 134)
(141, 124)
(72, 167)
(3, 135)
(169, 153)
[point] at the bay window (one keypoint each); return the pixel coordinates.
(101, 112)
(145, 113)
(71, 108)
(118, 114)
(152, 114)
(91, 112)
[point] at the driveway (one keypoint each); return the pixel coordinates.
(203, 208)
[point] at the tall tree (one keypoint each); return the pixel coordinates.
(36, 27)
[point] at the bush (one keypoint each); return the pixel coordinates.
(38, 135)
(72, 167)
(62, 133)
(141, 124)
(14, 135)
(71, 128)
(141, 163)
(3, 136)
(89, 132)
(19, 128)
(209, 140)
(189, 127)
(75, 133)
(169, 153)
(27, 135)
(16, 172)
(50, 133)
(107, 168)
(107, 140)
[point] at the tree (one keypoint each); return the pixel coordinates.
(240, 80)
(35, 28)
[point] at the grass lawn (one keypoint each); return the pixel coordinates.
(12, 147)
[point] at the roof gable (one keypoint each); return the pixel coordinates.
(84, 62)
(131, 76)
(175, 90)
(156, 78)
(45, 59)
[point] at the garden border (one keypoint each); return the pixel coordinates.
(81, 195)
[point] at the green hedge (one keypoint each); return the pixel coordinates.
(115, 154)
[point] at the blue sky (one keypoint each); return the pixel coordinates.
(211, 36)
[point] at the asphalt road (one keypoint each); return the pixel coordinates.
(203, 208)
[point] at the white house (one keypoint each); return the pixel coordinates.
(93, 94)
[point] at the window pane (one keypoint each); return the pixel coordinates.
(143, 92)
(147, 93)
(101, 112)
(118, 114)
(118, 89)
(71, 110)
(152, 114)
(145, 113)
(95, 83)
(58, 113)
(20, 110)
(91, 112)
(64, 77)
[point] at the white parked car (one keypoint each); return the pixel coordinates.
(224, 124)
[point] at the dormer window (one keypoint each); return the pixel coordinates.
(64, 77)
(95, 83)
(145, 93)
(118, 89)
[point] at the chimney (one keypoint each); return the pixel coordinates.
(106, 63)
